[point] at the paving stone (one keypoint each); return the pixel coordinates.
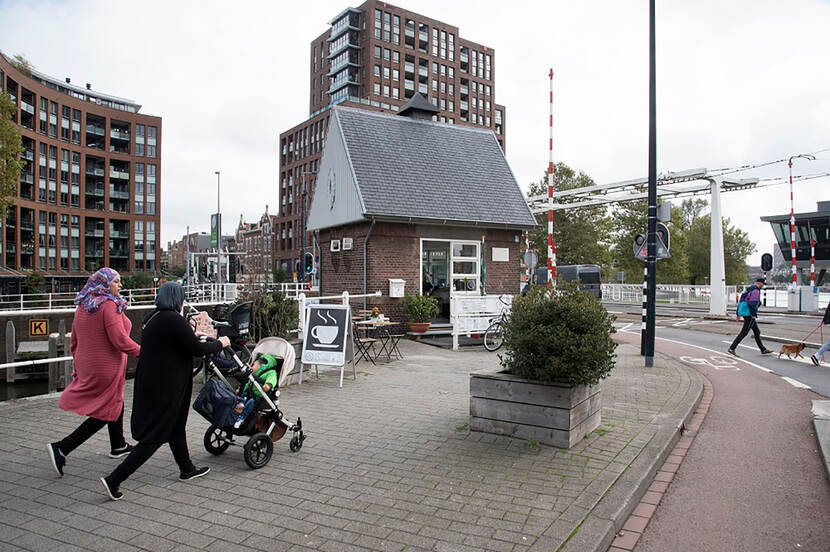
(419, 480)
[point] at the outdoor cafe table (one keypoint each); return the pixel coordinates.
(380, 328)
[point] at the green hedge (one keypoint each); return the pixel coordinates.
(564, 337)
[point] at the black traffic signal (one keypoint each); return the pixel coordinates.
(766, 262)
(663, 234)
(308, 263)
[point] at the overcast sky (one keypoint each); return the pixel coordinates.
(738, 82)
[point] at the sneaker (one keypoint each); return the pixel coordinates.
(57, 458)
(197, 472)
(112, 492)
(237, 424)
(733, 353)
(814, 358)
(766, 352)
(122, 451)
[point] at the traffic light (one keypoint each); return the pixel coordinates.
(308, 263)
(663, 235)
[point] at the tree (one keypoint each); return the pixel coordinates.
(11, 146)
(631, 218)
(736, 247)
(22, 64)
(279, 275)
(138, 280)
(34, 283)
(176, 272)
(582, 235)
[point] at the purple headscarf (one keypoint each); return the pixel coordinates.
(97, 290)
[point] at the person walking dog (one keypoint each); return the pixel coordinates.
(163, 387)
(748, 309)
(819, 356)
(100, 344)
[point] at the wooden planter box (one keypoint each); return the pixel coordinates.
(551, 414)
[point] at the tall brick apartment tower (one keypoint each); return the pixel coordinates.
(90, 190)
(376, 57)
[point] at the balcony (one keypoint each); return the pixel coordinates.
(119, 134)
(95, 171)
(117, 194)
(95, 191)
(26, 178)
(119, 175)
(94, 233)
(119, 254)
(28, 155)
(118, 234)
(27, 225)
(27, 107)
(95, 129)
(96, 252)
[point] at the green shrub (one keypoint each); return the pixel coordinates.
(274, 314)
(419, 308)
(561, 338)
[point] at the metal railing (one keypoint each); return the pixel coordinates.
(666, 293)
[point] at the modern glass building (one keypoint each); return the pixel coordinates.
(809, 227)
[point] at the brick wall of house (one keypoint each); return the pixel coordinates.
(393, 252)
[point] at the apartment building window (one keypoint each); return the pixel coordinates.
(66, 113)
(378, 15)
(64, 254)
(435, 42)
(451, 71)
(387, 30)
(41, 239)
(434, 68)
(377, 71)
(451, 106)
(53, 174)
(434, 85)
(139, 188)
(396, 75)
(451, 89)
(451, 51)
(487, 67)
(386, 90)
(64, 197)
(139, 140)
(395, 93)
(75, 189)
(150, 206)
(396, 29)
(474, 56)
(75, 242)
(377, 51)
(138, 244)
(53, 119)
(152, 133)
(396, 57)
(443, 44)
(44, 115)
(376, 89)
(76, 126)
(443, 70)
(387, 54)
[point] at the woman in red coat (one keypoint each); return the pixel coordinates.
(100, 345)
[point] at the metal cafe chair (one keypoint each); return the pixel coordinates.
(364, 346)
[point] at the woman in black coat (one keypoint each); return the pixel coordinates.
(163, 387)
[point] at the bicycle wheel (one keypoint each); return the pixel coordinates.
(493, 337)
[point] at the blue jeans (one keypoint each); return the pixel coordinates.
(824, 349)
(249, 406)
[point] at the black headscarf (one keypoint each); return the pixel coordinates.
(170, 296)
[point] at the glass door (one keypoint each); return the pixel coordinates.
(465, 273)
(435, 275)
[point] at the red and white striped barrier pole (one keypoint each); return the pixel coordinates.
(527, 248)
(813, 264)
(792, 222)
(551, 243)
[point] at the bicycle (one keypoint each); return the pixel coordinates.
(494, 335)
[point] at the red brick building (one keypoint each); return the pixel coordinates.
(404, 197)
(90, 190)
(256, 241)
(376, 57)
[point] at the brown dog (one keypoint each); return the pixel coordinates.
(792, 349)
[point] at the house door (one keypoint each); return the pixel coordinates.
(449, 268)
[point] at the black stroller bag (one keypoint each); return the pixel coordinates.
(215, 403)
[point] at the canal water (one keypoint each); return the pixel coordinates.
(22, 389)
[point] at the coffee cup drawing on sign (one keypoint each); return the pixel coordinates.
(325, 335)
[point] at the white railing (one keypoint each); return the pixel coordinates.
(142, 296)
(666, 293)
(475, 314)
(294, 289)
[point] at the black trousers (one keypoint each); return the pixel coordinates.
(90, 427)
(749, 323)
(143, 451)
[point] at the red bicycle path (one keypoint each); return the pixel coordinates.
(753, 478)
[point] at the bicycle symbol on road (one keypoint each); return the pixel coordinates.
(717, 362)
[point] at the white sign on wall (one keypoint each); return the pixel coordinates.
(501, 254)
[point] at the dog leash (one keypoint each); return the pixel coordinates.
(820, 324)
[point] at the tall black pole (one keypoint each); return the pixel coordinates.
(647, 336)
(302, 234)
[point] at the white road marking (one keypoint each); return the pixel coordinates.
(714, 351)
(683, 322)
(795, 383)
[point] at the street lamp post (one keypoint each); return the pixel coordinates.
(218, 235)
(792, 211)
(302, 226)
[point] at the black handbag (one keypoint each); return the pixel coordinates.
(215, 403)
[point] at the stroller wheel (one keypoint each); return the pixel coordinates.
(216, 440)
(258, 450)
(295, 444)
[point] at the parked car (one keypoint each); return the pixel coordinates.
(588, 275)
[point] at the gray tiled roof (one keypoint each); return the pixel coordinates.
(426, 170)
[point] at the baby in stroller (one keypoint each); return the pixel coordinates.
(266, 369)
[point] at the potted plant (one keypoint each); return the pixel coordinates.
(418, 310)
(558, 347)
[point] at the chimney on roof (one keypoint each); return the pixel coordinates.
(88, 86)
(68, 80)
(418, 108)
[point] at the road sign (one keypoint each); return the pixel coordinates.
(325, 334)
(531, 259)
(38, 327)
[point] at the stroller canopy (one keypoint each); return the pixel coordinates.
(279, 348)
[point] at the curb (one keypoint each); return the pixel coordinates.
(821, 423)
(606, 519)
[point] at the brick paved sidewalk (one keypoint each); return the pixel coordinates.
(389, 464)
